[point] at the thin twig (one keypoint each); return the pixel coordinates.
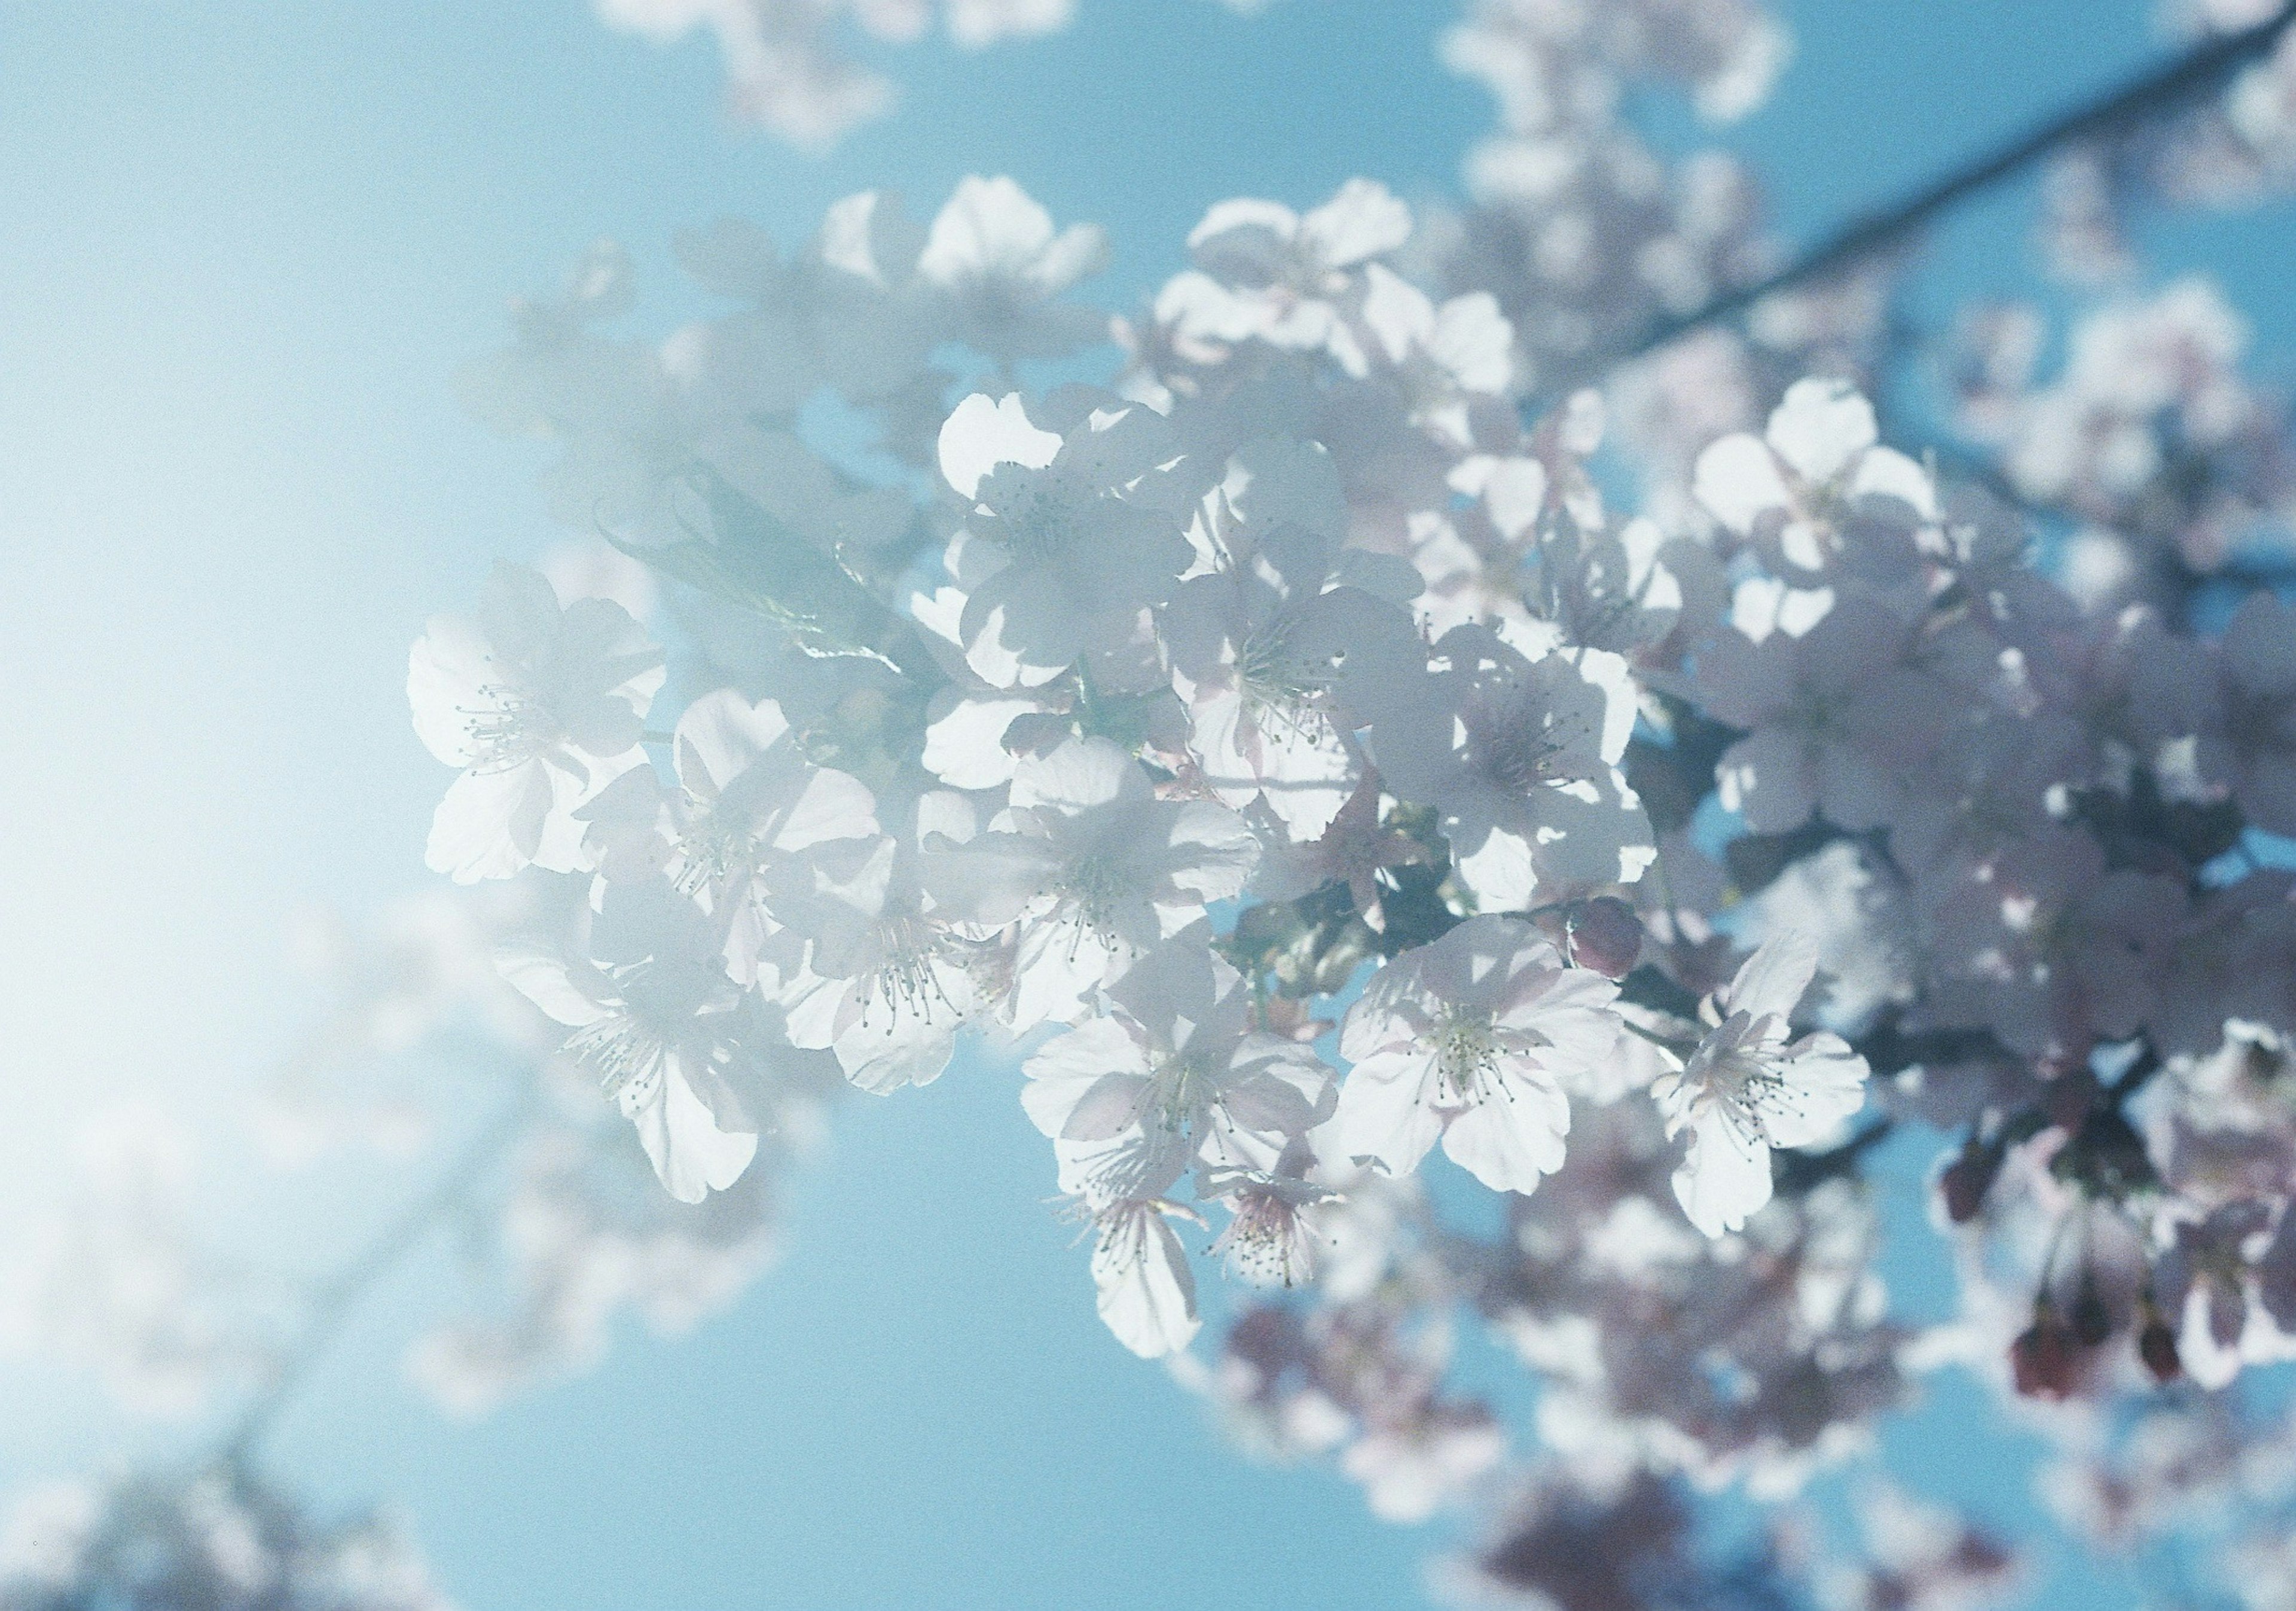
(2172, 83)
(341, 1295)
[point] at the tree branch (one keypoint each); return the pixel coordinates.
(341, 1295)
(2174, 81)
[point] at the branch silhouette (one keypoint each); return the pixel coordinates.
(339, 1295)
(2150, 95)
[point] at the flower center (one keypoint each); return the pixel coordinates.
(509, 729)
(1182, 1087)
(1040, 529)
(622, 1050)
(1466, 1057)
(1094, 886)
(906, 982)
(1273, 678)
(1266, 1239)
(713, 848)
(1514, 740)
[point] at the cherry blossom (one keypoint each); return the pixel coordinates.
(885, 980)
(1469, 1041)
(1265, 273)
(1520, 756)
(540, 708)
(994, 257)
(1815, 494)
(1470, 627)
(1172, 1079)
(750, 807)
(1276, 1218)
(1068, 543)
(1837, 717)
(1260, 637)
(663, 1027)
(786, 67)
(1147, 1294)
(1749, 1087)
(1446, 357)
(1094, 870)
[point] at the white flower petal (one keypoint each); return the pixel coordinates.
(1726, 1175)
(982, 432)
(1147, 1294)
(1821, 426)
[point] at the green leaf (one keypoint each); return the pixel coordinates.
(756, 562)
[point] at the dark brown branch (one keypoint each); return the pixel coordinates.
(2164, 88)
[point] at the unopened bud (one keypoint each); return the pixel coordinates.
(2156, 1345)
(2042, 1359)
(1605, 935)
(1964, 1181)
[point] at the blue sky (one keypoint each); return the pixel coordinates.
(245, 249)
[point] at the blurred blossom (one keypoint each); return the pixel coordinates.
(586, 1233)
(2149, 429)
(222, 1541)
(788, 69)
(122, 1281)
(1923, 1557)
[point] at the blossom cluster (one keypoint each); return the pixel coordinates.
(1289, 757)
(1584, 232)
(220, 1541)
(2149, 436)
(2235, 144)
(1297, 614)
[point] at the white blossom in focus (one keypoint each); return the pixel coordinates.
(1471, 1040)
(1277, 1232)
(1173, 1078)
(1147, 1294)
(1094, 870)
(657, 1019)
(1065, 542)
(886, 980)
(753, 807)
(1520, 755)
(1797, 492)
(1749, 1087)
(1261, 634)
